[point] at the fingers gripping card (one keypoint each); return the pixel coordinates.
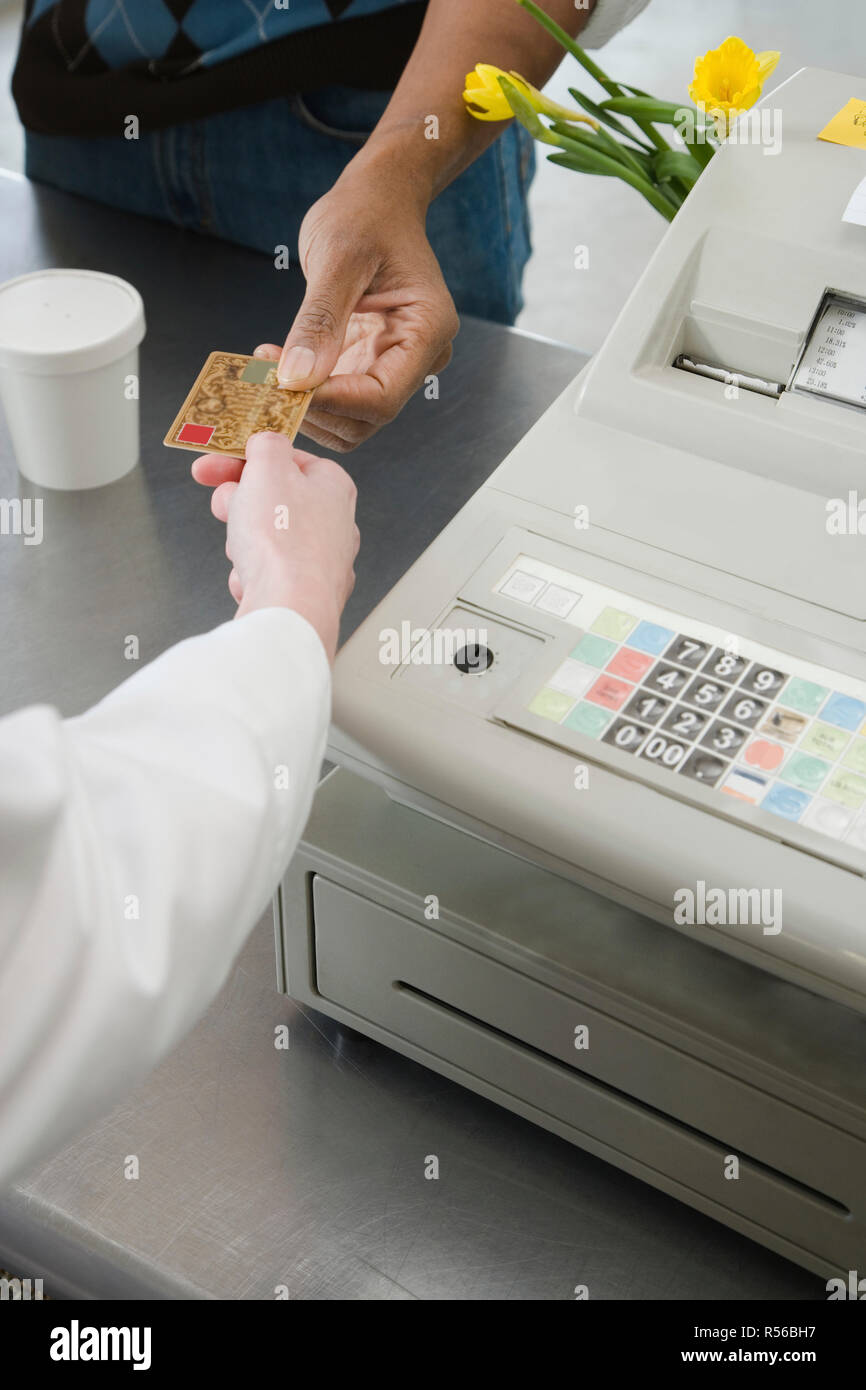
(233, 397)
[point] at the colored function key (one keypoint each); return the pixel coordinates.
(551, 704)
(745, 785)
(844, 712)
(805, 696)
(764, 754)
(785, 801)
(649, 637)
(613, 622)
(587, 719)
(630, 664)
(824, 740)
(845, 787)
(609, 692)
(806, 772)
(595, 650)
(785, 724)
(855, 756)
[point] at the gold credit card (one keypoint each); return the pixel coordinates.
(233, 397)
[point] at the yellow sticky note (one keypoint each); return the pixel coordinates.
(848, 126)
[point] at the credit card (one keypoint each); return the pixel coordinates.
(233, 397)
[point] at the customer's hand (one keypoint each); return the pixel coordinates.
(377, 317)
(291, 533)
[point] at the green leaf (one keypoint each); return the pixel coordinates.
(582, 166)
(647, 109)
(592, 108)
(595, 161)
(525, 111)
(673, 164)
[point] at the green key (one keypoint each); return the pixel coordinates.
(856, 755)
(613, 622)
(551, 704)
(805, 695)
(589, 719)
(805, 772)
(596, 651)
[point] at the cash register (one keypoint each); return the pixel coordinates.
(595, 845)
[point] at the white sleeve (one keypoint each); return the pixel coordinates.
(139, 843)
(607, 18)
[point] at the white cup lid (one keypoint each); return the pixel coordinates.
(58, 321)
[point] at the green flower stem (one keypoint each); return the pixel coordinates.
(588, 160)
(572, 47)
(598, 113)
(702, 151)
(614, 148)
(595, 161)
(592, 68)
(654, 196)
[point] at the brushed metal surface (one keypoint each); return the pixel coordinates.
(302, 1169)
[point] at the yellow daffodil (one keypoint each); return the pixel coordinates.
(486, 101)
(729, 79)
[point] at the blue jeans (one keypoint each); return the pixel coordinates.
(249, 176)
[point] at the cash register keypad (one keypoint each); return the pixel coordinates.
(748, 729)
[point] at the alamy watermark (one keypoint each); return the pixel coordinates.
(429, 646)
(25, 1290)
(729, 907)
(760, 125)
(846, 516)
(22, 516)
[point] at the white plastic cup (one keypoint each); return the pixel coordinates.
(69, 375)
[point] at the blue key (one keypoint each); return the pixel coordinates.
(785, 801)
(649, 637)
(843, 711)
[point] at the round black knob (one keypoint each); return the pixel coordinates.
(473, 658)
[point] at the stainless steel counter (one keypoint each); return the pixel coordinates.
(265, 1172)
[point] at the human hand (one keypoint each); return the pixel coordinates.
(377, 317)
(291, 533)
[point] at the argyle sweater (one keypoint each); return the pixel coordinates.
(84, 65)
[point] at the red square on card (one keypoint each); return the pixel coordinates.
(610, 693)
(630, 664)
(195, 434)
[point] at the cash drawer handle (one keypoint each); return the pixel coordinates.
(801, 1189)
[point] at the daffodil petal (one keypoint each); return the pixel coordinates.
(767, 63)
(490, 75)
(487, 105)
